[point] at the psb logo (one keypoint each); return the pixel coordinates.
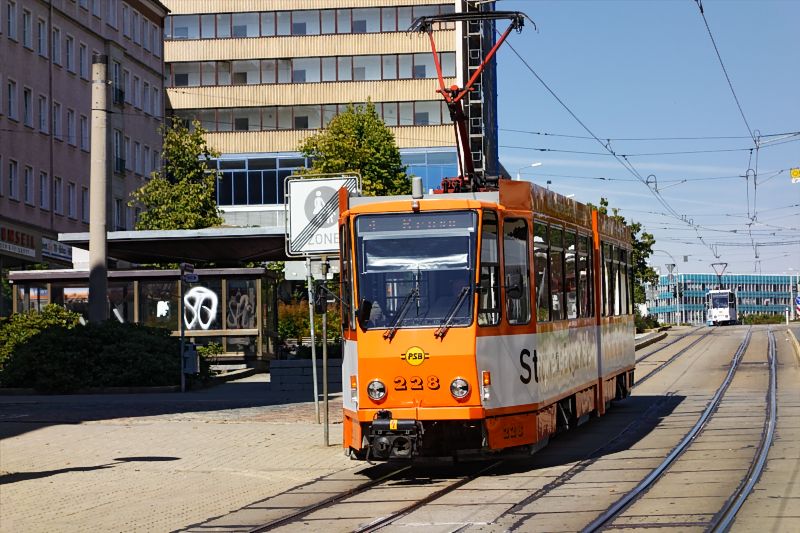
(414, 356)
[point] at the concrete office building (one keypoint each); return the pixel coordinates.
(682, 297)
(261, 76)
(46, 50)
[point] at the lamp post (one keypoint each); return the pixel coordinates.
(670, 268)
(532, 165)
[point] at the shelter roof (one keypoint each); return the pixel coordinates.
(222, 246)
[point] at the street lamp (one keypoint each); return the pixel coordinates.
(532, 165)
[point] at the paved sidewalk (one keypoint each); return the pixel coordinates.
(156, 462)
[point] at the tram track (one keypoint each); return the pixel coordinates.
(722, 519)
(674, 357)
(397, 475)
(672, 342)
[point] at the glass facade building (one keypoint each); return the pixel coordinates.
(681, 298)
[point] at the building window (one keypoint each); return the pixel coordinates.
(84, 133)
(156, 35)
(57, 133)
(41, 37)
(127, 156)
(11, 100)
(28, 186)
(119, 162)
(135, 26)
(119, 214)
(112, 12)
(156, 103)
(137, 102)
(71, 200)
(27, 29)
(69, 51)
(137, 158)
(11, 20)
(56, 46)
(44, 191)
(146, 97)
(146, 160)
(43, 112)
(96, 8)
(71, 136)
(85, 205)
(27, 107)
(83, 61)
(13, 180)
(126, 22)
(58, 193)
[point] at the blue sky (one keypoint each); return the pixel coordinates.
(633, 70)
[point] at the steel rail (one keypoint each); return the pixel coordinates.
(723, 520)
(615, 510)
(647, 355)
(327, 502)
(383, 521)
(666, 363)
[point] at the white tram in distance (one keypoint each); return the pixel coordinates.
(478, 322)
(721, 307)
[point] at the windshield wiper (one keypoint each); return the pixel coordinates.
(389, 333)
(442, 331)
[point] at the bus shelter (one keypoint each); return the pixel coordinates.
(234, 307)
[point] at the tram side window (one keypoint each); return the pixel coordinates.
(346, 279)
(608, 280)
(517, 270)
(622, 281)
(557, 273)
(540, 242)
(630, 282)
(489, 288)
(584, 265)
(570, 274)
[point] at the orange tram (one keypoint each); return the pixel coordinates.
(479, 322)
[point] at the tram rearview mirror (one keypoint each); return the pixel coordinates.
(514, 285)
(364, 310)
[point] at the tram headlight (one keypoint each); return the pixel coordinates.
(376, 389)
(459, 388)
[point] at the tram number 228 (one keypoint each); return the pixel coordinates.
(416, 383)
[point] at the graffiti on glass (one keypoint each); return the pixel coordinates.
(199, 308)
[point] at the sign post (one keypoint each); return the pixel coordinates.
(312, 229)
(187, 276)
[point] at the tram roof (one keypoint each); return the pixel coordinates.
(223, 246)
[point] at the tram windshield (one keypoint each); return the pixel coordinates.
(415, 268)
(719, 301)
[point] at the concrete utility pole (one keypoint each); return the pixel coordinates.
(98, 188)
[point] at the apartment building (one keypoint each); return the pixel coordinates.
(45, 117)
(262, 75)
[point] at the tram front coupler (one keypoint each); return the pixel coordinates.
(391, 438)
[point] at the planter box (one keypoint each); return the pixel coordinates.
(296, 374)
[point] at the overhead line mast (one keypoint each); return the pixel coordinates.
(468, 180)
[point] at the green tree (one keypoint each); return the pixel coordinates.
(357, 140)
(642, 242)
(180, 195)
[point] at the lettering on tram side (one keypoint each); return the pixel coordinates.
(527, 368)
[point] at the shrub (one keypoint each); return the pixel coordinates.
(334, 351)
(19, 328)
(763, 318)
(96, 355)
(643, 323)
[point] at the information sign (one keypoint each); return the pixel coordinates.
(312, 213)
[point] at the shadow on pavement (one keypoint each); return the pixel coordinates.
(25, 476)
(21, 414)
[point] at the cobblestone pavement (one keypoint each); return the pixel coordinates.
(156, 462)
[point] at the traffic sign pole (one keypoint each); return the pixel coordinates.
(313, 343)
